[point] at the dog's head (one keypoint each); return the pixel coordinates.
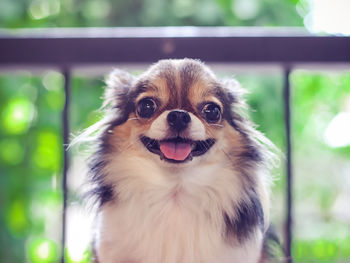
(176, 117)
(179, 129)
(178, 114)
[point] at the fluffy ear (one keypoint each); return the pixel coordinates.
(235, 111)
(234, 91)
(238, 117)
(117, 106)
(119, 85)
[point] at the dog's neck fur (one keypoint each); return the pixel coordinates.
(158, 213)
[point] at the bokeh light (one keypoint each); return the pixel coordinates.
(17, 219)
(79, 226)
(11, 151)
(41, 250)
(97, 9)
(337, 133)
(40, 9)
(246, 9)
(53, 80)
(326, 16)
(18, 115)
(47, 153)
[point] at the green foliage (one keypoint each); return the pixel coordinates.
(322, 251)
(30, 155)
(69, 13)
(322, 96)
(41, 250)
(31, 160)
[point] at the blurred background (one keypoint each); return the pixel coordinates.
(30, 124)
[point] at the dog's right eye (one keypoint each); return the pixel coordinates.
(146, 108)
(211, 112)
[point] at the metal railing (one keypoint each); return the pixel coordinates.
(66, 49)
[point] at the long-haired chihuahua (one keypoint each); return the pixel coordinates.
(179, 172)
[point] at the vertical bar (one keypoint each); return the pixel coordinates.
(289, 181)
(65, 135)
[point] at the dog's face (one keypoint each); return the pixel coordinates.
(177, 113)
(177, 128)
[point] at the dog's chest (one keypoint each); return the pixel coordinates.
(165, 230)
(172, 223)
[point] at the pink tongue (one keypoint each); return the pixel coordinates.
(176, 151)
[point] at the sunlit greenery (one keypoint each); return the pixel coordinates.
(42, 250)
(31, 143)
(323, 250)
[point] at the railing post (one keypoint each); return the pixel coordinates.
(289, 179)
(65, 135)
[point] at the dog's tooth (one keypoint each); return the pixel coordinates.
(110, 131)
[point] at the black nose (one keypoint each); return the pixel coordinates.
(178, 120)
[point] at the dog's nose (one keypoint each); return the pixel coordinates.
(178, 120)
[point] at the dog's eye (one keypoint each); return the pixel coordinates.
(146, 108)
(211, 112)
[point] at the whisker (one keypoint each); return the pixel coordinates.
(130, 119)
(204, 145)
(149, 144)
(215, 124)
(210, 133)
(226, 154)
(130, 144)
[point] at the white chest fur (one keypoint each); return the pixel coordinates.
(172, 223)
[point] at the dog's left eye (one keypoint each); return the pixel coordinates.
(146, 108)
(211, 112)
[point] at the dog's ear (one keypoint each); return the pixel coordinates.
(260, 148)
(119, 85)
(118, 97)
(116, 107)
(234, 91)
(235, 107)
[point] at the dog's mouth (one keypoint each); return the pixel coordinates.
(178, 149)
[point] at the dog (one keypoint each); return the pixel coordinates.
(179, 172)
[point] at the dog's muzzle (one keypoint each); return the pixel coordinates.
(177, 149)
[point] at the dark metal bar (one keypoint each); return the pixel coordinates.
(144, 45)
(65, 134)
(289, 181)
